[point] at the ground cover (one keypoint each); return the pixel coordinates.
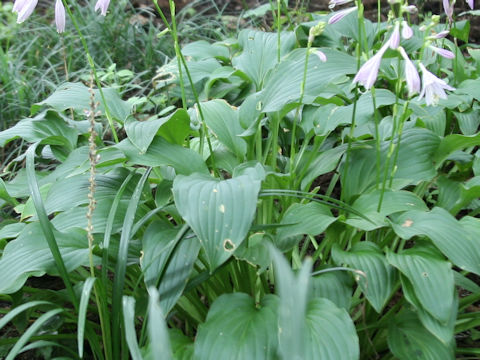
(279, 183)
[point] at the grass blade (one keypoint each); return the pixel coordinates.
(45, 223)
(157, 328)
(82, 313)
(14, 312)
(129, 322)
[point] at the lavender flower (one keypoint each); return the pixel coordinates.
(24, 8)
(103, 6)
(407, 31)
(59, 16)
(334, 3)
(339, 15)
(448, 8)
(441, 34)
(394, 40)
(321, 55)
(470, 4)
(369, 71)
(433, 88)
(411, 74)
(447, 54)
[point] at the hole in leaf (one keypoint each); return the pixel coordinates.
(228, 245)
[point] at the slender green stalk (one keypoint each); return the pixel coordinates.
(279, 8)
(94, 70)
(377, 138)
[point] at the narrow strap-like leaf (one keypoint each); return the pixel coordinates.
(82, 313)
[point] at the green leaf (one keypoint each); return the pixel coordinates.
(409, 340)
(453, 195)
(161, 152)
(452, 143)
(309, 219)
(323, 163)
(47, 127)
(173, 128)
(130, 331)
(431, 279)
(238, 328)
(157, 328)
(222, 120)
(380, 276)
(393, 202)
(259, 53)
(182, 346)
(82, 312)
(441, 227)
(200, 50)
(219, 212)
(177, 272)
(30, 254)
(284, 84)
(77, 96)
(335, 286)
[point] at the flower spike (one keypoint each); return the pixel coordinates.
(433, 88)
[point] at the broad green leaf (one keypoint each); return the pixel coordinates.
(177, 272)
(11, 230)
(323, 163)
(284, 84)
(393, 202)
(222, 120)
(219, 212)
(199, 50)
(259, 53)
(452, 143)
(4, 195)
(380, 276)
(468, 121)
(77, 96)
(255, 251)
(454, 195)
(238, 328)
(414, 163)
(161, 152)
(29, 255)
(407, 339)
(335, 286)
(441, 227)
(431, 279)
(331, 334)
(433, 118)
(157, 328)
(173, 128)
(182, 346)
(47, 127)
(309, 219)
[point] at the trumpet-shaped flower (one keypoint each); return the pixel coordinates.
(447, 54)
(369, 71)
(407, 31)
(394, 40)
(448, 8)
(411, 74)
(339, 15)
(441, 34)
(433, 88)
(334, 3)
(103, 6)
(60, 16)
(470, 4)
(24, 8)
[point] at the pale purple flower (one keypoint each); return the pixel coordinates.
(448, 8)
(441, 34)
(321, 55)
(394, 40)
(447, 54)
(407, 31)
(339, 15)
(369, 71)
(334, 3)
(470, 4)
(59, 16)
(433, 88)
(103, 6)
(411, 74)
(24, 8)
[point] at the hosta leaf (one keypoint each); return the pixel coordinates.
(182, 346)
(335, 286)
(47, 127)
(199, 50)
(29, 255)
(161, 152)
(77, 96)
(454, 195)
(173, 128)
(311, 219)
(223, 121)
(177, 272)
(393, 202)
(453, 238)
(454, 142)
(237, 328)
(431, 279)
(330, 332)
(408, 339)
(219, 212)
(259, 53)
(284, 84)
(380, 276)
